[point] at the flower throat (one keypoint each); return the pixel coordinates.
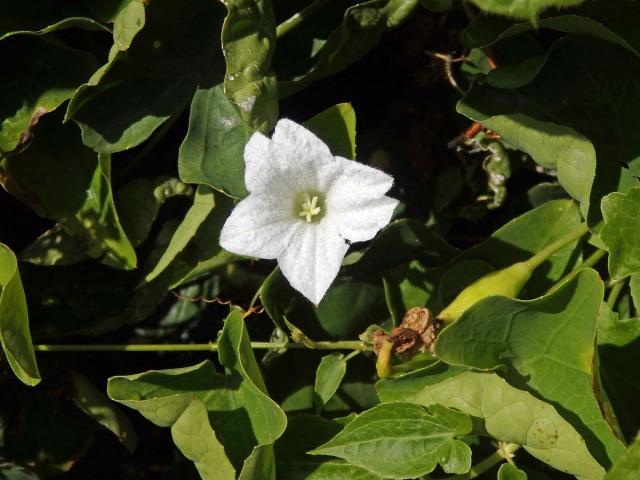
(309, 206)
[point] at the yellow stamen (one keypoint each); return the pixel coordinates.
(310, 208)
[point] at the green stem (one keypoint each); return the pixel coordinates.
(553, 247)
(589, 262)
(616, 288)
(593, 259)
(254, 299)
(349, 356)
(295, 20)
(197, 347)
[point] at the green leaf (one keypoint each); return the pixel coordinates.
(43, 76)
(347, 308)
(413, 284)
(528, 9)
(96, 405)
(248, 41)
(18, 473)
(303, 433)
(63, 180)
(612, 330)
(608, 21)
(31, 18)
(240, 412)
(329, 375)
(139, 203)
(193, 435)
(203, 205)
(401, 387)
(621, 233)
(401, 241)
(212, 152)
(400, 440)
(169, 50)
(560, 92)
(515, 416)
(509, 471)
(126, 113)
(628, 466)
(547, 345)
(549, 144)
(336, 126)
(362, 27)
(193, 248)
(14, 321)
(634, 287)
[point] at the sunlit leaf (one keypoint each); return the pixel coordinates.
(248, 41)
(548, 346)
(330, 373)
(401, 440)
(514, 416)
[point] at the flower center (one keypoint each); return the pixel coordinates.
(309, 206)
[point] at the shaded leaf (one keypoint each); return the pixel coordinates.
(361, 29)
(610, 21)
(549, 144)
(401, 241)
(42, 76)
(14, 321)
(413, 284)
(399, 440)
(63, 180)
(169, 50)
(44, 16)
(139, 203)
(329, 375)
(303, 433)
(96, 404)
(346, 309)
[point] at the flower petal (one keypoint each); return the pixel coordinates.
(295, 159)
(360, 221)
(259, 226)
(300, 141)
(313, 259)
(356, 202)
(359, 181)
(261, 165)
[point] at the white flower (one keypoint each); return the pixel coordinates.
(305, 207)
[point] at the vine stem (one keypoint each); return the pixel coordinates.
(589, 262)
(616, 288)
(198, 347)
(295, 20)
(553, 247)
